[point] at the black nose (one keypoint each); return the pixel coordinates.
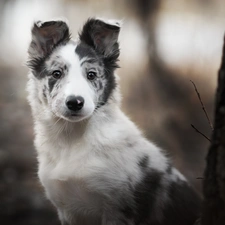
(75, 103)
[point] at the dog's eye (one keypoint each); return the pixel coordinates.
(91, 75)
(56, 74)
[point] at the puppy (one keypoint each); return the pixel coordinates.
(95, 165)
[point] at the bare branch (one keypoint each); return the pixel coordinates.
(200, 132)
(203, 107)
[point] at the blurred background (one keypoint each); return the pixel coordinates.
(164, 45)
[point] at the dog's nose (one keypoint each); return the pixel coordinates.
(75, 103)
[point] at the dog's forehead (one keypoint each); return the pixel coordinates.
(72, 53)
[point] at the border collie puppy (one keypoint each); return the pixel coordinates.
(94, 163)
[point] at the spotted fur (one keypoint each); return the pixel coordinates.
(95, 165)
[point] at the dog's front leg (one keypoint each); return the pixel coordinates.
(62, 218)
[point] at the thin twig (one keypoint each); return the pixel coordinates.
(200, 132)
(203, 107)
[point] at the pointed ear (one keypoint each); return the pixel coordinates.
(46, 36)
(101, 36)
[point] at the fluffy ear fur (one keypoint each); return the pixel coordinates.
(102, 36)
(45, 37)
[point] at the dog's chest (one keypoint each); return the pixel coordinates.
(83, 178)
(71, 180)
(74, 196)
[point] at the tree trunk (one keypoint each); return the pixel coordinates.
(214, 179)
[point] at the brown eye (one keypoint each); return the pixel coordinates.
(91, 75)
(57, 74)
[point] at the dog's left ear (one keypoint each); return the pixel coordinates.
(102, 36)
(46, 36)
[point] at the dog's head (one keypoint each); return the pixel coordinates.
(73, 79)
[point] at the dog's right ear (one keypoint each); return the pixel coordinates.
(102, 36)
(46, 36)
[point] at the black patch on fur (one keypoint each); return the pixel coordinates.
(110, 86)
(37, 66)
(44, 91)
(51, 83)
(145, 195)
(183, 206)
(128, 211)
(83, 50)
(100, 85)
(169, 169)
(65, 69)
(45, 39)
(143, 163)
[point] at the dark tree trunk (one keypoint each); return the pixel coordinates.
(214, 179)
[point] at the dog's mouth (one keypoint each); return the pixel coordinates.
(74, 117)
